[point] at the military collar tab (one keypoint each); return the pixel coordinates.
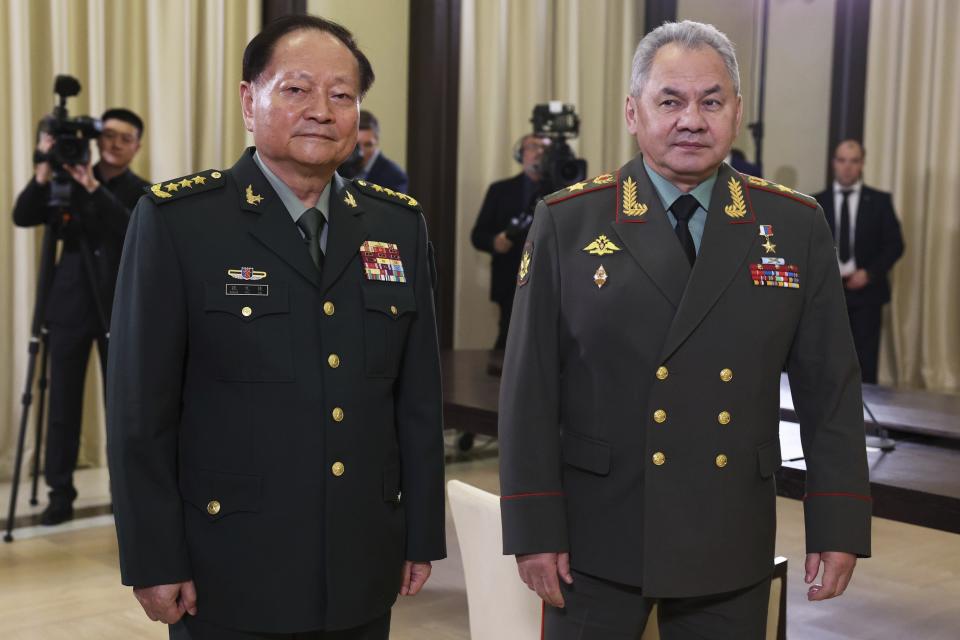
(168, 191)
(603, 181)
(772, 187)
(384, 193)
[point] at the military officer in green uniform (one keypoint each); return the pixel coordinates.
(274, 409)
(656, 307)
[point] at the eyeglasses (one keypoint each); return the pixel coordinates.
(110, 135)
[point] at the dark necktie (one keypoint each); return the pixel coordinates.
(311, 224)
(844, 241)
(683, 208)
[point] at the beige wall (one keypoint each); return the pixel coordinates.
(382, 29)
(799, 66)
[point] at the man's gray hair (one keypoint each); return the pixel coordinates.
(689, 35)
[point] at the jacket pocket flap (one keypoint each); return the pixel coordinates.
(218, 494)
(247, 307)
(392, 300)
(586, 453)
(768, 458)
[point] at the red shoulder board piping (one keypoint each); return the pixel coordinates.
(772, 187)
(603, 181)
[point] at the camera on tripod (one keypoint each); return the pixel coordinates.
(559, 122)
(71, 139)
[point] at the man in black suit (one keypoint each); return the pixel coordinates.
(378, 168)
(100, 204)
(274, 409)
(868, 240)
(502, 225)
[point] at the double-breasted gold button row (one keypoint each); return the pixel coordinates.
(663, 373)
(660, 458)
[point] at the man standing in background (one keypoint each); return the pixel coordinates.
(101, 199)
(867, 235)
(378, 168)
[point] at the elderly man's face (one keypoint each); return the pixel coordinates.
(304, 107)
(848, 163)
(687, 114)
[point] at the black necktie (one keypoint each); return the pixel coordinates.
(844, 242)
(683, 208)
(311, 224)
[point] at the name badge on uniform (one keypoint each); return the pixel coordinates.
(247, 289)
(381, 261)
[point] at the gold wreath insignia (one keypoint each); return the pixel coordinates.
(738, 208)
(253, 198)
(631, 207)
(349, 200)
(156, 190)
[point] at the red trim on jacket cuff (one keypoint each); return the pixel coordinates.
(839, 494)
(533, 495)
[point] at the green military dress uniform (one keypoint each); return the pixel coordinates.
(275, 429)
(639, 405)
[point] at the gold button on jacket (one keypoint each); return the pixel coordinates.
(724, 417)
(662, 373)
(247, 312)
(393, 310)
(333, 360)
(726, 375)
(337, 414)
(660, 416)
(328, 308)
(721, 461)
(337, 469)
(659, 458)
(213, 507)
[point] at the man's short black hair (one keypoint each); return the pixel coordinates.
(126, 116)
(257, 55)
(369, 121)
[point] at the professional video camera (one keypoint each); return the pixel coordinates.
(560, 166)
(71, 140)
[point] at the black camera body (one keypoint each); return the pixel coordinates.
(71, 136)
(560, 166)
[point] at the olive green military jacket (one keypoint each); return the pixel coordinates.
(274, 431)
(639, 407)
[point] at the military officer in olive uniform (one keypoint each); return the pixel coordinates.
(656, 307)
(274, 420)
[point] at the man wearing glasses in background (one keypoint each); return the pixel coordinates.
(101, 200)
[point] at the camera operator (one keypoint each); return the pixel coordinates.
(504, 219)
(100, 201)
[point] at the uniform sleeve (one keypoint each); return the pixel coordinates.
(825, 383)
(485, 228)
(532, 501)
(31, 207)
(144, 381)
(891, 241)
(419, 415)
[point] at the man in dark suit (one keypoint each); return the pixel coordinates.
(274, 410)
(378, 168)
(655, 310)
(503, 222)
(100, 203)
(868, 239)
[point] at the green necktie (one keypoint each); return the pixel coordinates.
(311, 223)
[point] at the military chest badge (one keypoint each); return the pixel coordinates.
(771, 272)
(766, 230)
(381, 261)
(523, 275)
(602, 246)
(600, 277)
(246, 273)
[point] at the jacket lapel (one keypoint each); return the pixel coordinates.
(347, 231)
(273, 225)
(828, 211)
(729, 234)
(649, 236)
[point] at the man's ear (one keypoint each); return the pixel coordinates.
(246, 104)
(630, 113)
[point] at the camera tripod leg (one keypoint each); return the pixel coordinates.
(21, 438)
(41, 406)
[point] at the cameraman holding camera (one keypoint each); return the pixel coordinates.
(504, 219)
(100, 200)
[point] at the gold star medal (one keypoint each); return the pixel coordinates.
(766, 230)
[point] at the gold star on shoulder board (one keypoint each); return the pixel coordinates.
(171, 186)
(186, 182)
(253, 198)
(199, 179)
(576, 187)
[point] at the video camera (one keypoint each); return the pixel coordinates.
(71, 140)
(559, 122)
